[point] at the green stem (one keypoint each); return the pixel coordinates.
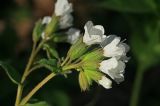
(25, 74)
(137, 87)
(66, 59)
(34, 68)
(72, 66)
(34, 90)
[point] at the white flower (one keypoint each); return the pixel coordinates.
(93, 34)
(114, 68)
(65, 21)
(105, 82)
(63, 7)
(73, 35)
(46, 20)
(115, 48)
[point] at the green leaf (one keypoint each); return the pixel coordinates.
(42, 103)
(11, 72)
(37, 31)
(50, 64)
(52, 51)
(134, 6)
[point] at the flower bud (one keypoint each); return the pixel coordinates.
(83, 81)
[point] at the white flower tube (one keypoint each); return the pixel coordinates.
(62, 7)
(93, 34)
(115, 48)
(114, 68)
(73, 35)
(105, 82)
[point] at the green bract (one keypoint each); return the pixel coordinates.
(52, 51)
(37, 31)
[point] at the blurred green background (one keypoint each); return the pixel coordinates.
(137, 21)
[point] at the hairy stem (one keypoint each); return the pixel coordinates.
(34, 90)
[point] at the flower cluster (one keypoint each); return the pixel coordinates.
(96, 56)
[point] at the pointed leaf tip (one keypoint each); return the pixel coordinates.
(11, 72)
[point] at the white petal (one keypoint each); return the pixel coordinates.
(105, 82)
(93, 34)
(66, 21)
(127, 48)
(114, 68)
(73, 35)
(100, 27)
(107, 65)
(63, 7)
(113, 49)
(46, 20)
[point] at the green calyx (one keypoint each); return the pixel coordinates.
(51, 27)
(93, 55)
(77, 50)
(86, 78)
(92, 59)
(93, 75)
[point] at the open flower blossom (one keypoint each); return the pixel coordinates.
(63, 7)
(111, 47)
(73, 35)
(114, 68)
(105, 82)
(93, 34)
(115, 48)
